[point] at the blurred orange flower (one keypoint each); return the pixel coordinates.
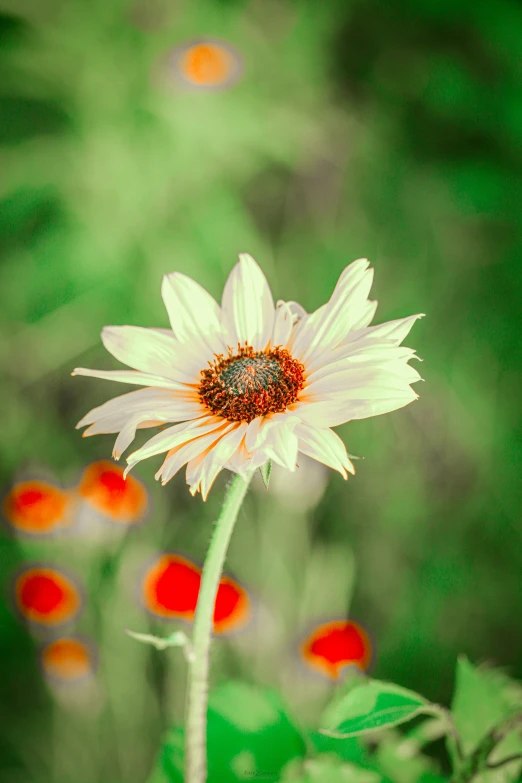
(46, 596)
(336, 644)
(37, 508)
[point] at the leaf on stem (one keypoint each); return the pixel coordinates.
(374, 705)
(176, 639)
(483, 697)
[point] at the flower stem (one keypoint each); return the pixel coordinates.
(197, 693)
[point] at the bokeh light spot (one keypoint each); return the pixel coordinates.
(335, 645)
(232, 608)
(36, 508)
(67, 660)
(103, 486)
(171, 587)
(46, 596)
(207, 64)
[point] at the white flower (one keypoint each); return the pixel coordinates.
(250, 381)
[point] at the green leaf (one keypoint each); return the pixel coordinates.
(265, 471)
(478, 703)
(483, 697)
(373, 705)
(353, 750)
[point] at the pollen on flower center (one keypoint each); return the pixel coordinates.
(247, 383)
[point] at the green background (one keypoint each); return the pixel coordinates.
(356, 128)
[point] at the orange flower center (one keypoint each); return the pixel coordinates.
(248, 383)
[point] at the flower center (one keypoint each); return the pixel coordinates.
(247, 384)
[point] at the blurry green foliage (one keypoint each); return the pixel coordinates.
(390, 130)
(482, 698)
(250, 736)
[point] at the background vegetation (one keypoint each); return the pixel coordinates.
(360, 128)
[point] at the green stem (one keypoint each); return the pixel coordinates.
(477, 761)
(197, 694)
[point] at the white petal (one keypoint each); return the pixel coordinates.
(241, 461)
(282, 447)
(259, 429)
(140, 420)
(150, 401)
(178, 457)
(283, 325)
(152, 351)
(203, 470)
(131, 376)
(391, 330)
(359, 350)
(391, 357)
(176, 436)
(247, 306)
(194, 314)
(196, 467)
(256, 459)
(333, 412)
(278, 439)
(253, 433)
(367, 315)
(105, 427)
(329, 325)
(244, 461)
(324, 446)
(364, 383)
(297, 310)
(187, 451)
(300, 317)
(127, 434)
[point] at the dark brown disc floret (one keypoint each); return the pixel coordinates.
(247, 383)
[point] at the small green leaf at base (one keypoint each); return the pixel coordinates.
(176, 639)
(265, 471)
(374, 705)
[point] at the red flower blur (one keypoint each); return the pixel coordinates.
(103, 486)
(170, 590)
(36, 508)
(334, 645)
(46, 596)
